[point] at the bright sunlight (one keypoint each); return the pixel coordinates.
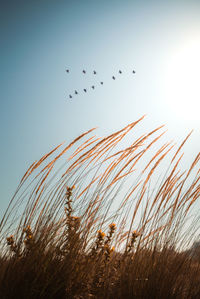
(182, 80)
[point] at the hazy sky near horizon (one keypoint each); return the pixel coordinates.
(160, 40)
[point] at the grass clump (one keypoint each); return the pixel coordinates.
(121, 232)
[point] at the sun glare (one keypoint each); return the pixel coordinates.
(183, 81)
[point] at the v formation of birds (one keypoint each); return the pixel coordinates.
(93, 86)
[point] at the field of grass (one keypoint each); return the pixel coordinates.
(99, 218)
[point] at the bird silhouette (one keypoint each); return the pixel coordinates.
(93, 86)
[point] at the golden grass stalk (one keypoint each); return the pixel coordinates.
(116, 189)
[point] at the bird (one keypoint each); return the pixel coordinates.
(85, 89)
(76, 92)
(101, 83)
(113, 77)
(70, 96)
(120, 71)
(67, 70)
(133, 72)
(94, 72)
(93, 86)
(84, 72)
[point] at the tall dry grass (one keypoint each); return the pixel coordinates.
(106, 223)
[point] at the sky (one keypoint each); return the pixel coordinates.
(160, 40)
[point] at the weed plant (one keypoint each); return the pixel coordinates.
(95, 227)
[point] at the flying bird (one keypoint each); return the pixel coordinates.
(133, 72)
(94, 72)
(85, 89)
(70, 96)
(93, 86)
(120, 71)
(84, 72)
(67, 71)
(101, 83)
(113, 77)
(76, 92)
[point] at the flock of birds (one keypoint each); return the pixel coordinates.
(93, 86)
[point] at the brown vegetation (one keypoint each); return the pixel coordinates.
(95, 228)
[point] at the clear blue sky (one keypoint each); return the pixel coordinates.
(40, 39)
